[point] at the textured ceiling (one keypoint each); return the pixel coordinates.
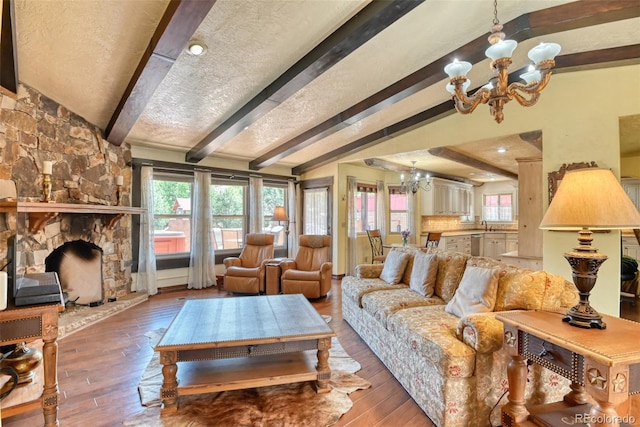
(83, 54)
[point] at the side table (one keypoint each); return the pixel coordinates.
(29, 324)
(603, 366)
(272, 276)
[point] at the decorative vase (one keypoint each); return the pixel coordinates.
(24, 361)
(404, 241)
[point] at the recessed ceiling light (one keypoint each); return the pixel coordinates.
(502, 150)
(196, 48)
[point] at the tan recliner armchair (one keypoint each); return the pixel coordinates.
(245, 274)
(310, 272)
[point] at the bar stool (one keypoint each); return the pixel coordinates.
(433, 239)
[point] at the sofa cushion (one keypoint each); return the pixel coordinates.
(382, 304)
(476, 293)
(394, 266)
(451, 266)
(424, 273)
(354, 288)
(431, 332)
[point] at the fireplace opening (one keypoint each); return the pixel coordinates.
(79, 267)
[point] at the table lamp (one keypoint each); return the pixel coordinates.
(588, 199)
(280, 215)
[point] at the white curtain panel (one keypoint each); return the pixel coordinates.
(202, 265)
(381, 209)
(146, 277)
(293, 212)
(352, 247)
(256, 216)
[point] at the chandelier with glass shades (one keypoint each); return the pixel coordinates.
(497, 93)
(415, 181)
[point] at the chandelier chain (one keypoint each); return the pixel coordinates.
(495, 13)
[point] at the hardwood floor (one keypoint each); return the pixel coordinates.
(100, 366)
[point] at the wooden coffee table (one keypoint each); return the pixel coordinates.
(243, 342)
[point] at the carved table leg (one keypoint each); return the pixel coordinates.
(604, 414)
(324, 371)
(515, 410)
(50, 391)
(169, 390)
(577, 396)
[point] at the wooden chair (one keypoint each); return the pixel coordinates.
(433, 239)
(377, 249)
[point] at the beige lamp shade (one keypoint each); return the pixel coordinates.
(280, 214)
(590, 198)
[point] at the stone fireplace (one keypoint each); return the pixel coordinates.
(35, 129)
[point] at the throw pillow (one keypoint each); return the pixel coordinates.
(423, 275)
(476, 293)
(394, 266)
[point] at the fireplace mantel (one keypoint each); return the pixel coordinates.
(40, 213)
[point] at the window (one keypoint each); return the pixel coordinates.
(398, 210)
(365, 205)
(272, 196)
(172, 214)
(228, 208)
(315, 210)
(497, 207)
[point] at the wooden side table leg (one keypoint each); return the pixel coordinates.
(50, 391)
(577, 396)
(515, 411)
(324, 371)
(604, 414)
(169, 390)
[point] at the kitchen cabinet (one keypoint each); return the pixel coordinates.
(630, 247)
(511, 242)
(494, 245)
(456, 243)
(447, 198)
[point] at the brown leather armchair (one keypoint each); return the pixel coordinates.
(310, 272)
(245, 274)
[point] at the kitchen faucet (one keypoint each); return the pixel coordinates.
(485, 224)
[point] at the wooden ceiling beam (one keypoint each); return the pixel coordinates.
(582, 61)
(565, 17)
(455, 156)
(365, 25)
(179, 22)
(8, 60)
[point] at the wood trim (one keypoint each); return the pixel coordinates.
(365, 25)
(179, 22)
(8, 49)
(618, 56)
(453, 155)
(575, 15)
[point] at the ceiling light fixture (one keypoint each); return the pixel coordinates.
(415, 182)
(502, 150)
(196, 48)
(497, 93)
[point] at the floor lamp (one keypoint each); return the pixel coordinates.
(588, 199)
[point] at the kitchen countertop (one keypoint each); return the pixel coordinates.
(467, 232)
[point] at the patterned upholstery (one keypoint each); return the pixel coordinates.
(454, 368)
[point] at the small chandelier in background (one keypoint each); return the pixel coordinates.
(496, 93)
(415, 181)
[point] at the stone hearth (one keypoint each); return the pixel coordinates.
(75, 318)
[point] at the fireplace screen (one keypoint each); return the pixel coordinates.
(79, 267)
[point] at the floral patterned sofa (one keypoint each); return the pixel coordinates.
(452, 365)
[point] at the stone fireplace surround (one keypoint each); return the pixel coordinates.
(34, 129)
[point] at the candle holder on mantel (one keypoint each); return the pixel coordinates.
(118, 194)
(46, 187)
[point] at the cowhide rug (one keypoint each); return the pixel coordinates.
(295, 404)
